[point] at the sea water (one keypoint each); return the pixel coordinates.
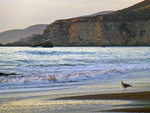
(69, 66)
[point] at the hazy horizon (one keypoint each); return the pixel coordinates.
(20, 14)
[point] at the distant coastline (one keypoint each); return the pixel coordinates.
(127, 27)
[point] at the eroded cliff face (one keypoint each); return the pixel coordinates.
(127, 27)
(99, 33)
(76, 32)
(85, 33)
(126, 33)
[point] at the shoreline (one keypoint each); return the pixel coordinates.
(141, 95)
(142, 109)
(107, 102)
(137, 99)
(86, 98)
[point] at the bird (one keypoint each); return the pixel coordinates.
(124, 85)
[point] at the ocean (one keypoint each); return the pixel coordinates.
(39, 69)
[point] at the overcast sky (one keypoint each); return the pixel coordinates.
(16, 14)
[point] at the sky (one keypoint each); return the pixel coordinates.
(19, 14)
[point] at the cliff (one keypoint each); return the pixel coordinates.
(17, 34)
(36, 40)
(127, 27)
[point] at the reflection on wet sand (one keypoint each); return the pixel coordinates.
(131, 101)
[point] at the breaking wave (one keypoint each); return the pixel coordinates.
(42, 66)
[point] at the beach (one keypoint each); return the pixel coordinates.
(81, 98)
(74, 79)
(58, 56)
(140, 100)
(113, 102)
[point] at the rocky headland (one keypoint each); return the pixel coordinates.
(127, 27)
(17, 34)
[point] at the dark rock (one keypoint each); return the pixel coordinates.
(46, 43)
(7, 74)
(38, 40)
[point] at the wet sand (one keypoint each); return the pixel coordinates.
(109, 102)
(143, 109)
(144, 95)
(135, 97)
(82, 98)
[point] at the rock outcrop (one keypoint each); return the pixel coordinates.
(35, 41)
(15, 35)
(7, 74)
(127, 27)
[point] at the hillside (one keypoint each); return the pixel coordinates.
(136, 12)
(98, 13)
(17, 34)
(127, 27)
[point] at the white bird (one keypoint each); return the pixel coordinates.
(124, 85)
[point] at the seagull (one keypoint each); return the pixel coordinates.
(124, 85)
